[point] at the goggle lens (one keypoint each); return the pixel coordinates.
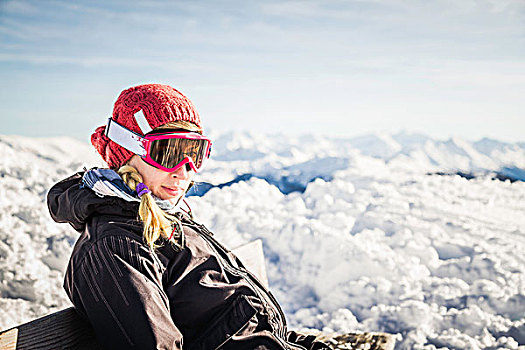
(170, 152)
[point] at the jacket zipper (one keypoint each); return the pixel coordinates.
(251, 279)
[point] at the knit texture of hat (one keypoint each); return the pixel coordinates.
(160, 104)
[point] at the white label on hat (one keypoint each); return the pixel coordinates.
(125, 138)
(142, 122)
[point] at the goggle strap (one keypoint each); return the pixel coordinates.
(126, 138)
(142, 122)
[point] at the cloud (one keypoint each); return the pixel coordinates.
(30, 31)
(121, 62)
(18, 7)
(89, 61)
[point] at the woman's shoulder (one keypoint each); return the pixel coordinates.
(71, 202)
(109, 234)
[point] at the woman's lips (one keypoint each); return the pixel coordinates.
(172, 190)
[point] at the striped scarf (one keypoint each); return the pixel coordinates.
(106, 182)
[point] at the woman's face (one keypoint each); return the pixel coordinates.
(163, 184)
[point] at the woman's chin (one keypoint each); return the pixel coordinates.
(172, 198)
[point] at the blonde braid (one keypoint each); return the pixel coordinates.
(157, 223)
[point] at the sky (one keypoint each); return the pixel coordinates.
(444, 68)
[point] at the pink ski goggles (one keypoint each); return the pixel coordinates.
(166, 151)
(172, 150)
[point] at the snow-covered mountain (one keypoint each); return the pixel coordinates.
(292, 162)
(359, 234)
(455, 154)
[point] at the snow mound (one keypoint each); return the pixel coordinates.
(366, 242)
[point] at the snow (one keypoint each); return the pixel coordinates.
(359, 234)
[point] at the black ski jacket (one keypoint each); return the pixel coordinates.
(201, 297)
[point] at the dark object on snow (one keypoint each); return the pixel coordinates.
(67, 330)
(512, 174)
(371, 341)
(62, 330)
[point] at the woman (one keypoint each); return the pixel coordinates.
(143, 273)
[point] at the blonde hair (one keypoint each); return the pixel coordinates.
(157, 222)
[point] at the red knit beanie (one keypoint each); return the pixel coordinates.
(160, 104)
